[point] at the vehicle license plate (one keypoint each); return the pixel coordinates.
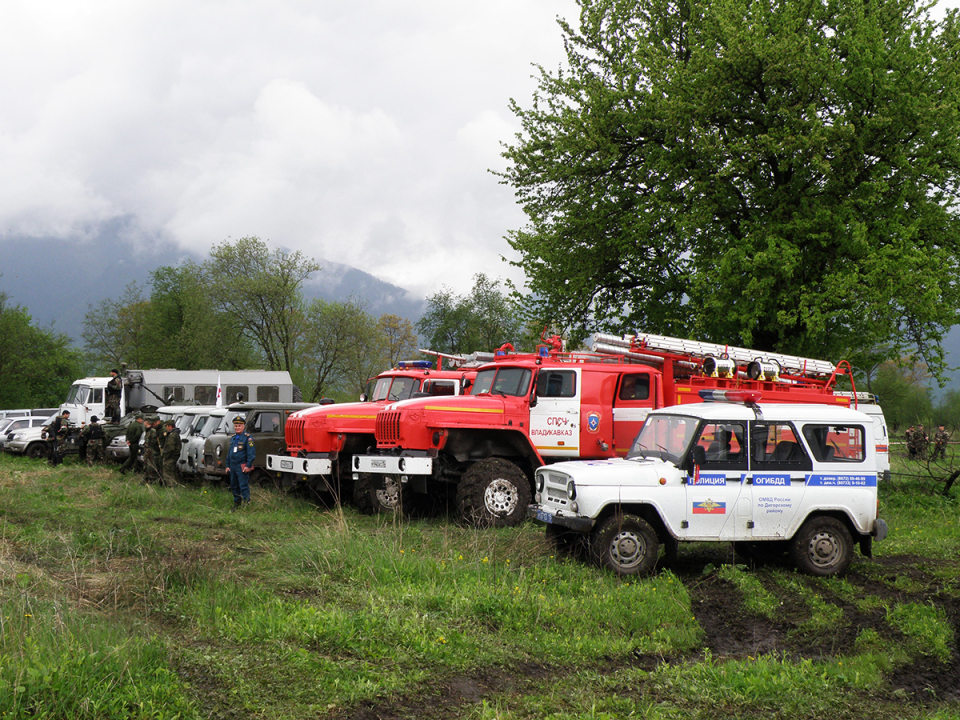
(286, 464)
(544, 516)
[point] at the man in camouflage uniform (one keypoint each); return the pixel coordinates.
(94, 437)
(171, 453)
(908, 436)
(132, 435)
(920, 443)
(940, 443)
(113, 393)
(151, 450)
(57, 432)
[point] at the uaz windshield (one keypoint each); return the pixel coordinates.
(666, 437)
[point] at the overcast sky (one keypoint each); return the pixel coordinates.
(359, 132)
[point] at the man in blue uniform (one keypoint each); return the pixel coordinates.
(240, 458)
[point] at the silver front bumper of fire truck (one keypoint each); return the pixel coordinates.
(299, 466)
(393, 465)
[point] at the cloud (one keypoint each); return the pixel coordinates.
(359, 133)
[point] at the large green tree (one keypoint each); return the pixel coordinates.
(37, 365)
(176, 325)
(342, 347)
(262, 292)
(780, 174)
(482, 320)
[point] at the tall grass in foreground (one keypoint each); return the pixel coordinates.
(56, 662)
(125, 600)
(364, 615)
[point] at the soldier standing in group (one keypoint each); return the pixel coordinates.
(114, 391)
(82, 443)
(151, 450)
(93, 437)
(132, 435)
(922, 441)
(240, 457)
(57, 432)
(908, 436)
(171, 453)
(940, 443)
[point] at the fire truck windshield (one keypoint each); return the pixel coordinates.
(502, 381)
(395, 388)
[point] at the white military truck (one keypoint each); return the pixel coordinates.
(154, 388)
(772, 479)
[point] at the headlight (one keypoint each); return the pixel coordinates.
(572, 490)
(539, 482)
(218, 450)
(19, 436)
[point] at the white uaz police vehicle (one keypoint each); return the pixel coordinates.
(770, 478)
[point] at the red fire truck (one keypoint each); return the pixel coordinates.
(321, 441)
(527, 410)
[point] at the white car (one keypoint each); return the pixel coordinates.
(29, 442)
(199, 423)
(11, 426)
(771, 479)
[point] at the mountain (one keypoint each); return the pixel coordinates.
(58, 281)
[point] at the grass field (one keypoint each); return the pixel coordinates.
(122, 600)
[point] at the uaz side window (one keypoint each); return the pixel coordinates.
(835, 443)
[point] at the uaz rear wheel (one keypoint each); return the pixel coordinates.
(823, 546)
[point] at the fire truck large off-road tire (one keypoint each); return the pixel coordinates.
(387, 495)
(626, 544)
(494, 493)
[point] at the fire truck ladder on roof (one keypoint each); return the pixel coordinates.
(634, 345)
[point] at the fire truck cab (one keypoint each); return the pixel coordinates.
(321, 441)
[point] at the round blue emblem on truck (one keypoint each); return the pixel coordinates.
(593, 421)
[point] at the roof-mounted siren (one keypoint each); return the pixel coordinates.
(764, 370)
(414, 365)
(719, 367)
(747, 397)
